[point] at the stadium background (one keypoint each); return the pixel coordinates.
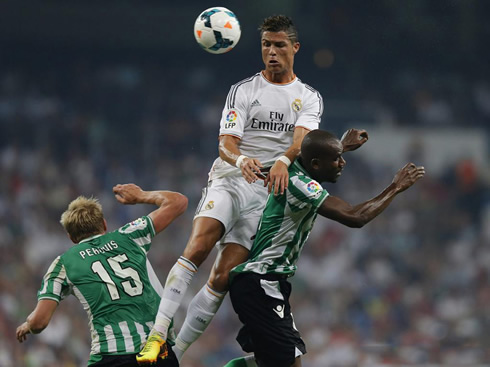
(98, 93)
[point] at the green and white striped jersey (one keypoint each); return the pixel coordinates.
(111, 276)
(285, 225)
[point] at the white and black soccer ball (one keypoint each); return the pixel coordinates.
(217, 30)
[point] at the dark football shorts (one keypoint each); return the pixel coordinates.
(129, 360)
(262, 305)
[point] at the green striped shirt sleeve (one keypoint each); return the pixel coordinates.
(141, 231)
(308, 190)
(55, 284)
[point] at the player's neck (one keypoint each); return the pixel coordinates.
(279, 78)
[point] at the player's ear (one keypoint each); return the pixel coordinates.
(105, 225)
(315, 163)
(296, 47)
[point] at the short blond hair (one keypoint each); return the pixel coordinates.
(83, 218)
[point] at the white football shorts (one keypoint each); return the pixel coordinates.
(235, 203)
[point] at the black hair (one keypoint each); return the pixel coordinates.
(316, 143)
(278, 23)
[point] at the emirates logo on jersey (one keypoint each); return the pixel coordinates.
(297, 105)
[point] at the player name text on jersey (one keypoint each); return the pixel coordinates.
(98, 250)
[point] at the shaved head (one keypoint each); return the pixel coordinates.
(321, 155)
(317, 143)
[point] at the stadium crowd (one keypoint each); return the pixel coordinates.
(413, 288)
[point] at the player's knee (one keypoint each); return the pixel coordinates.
(202, 241)
(197, 254)
(198, 248)
(219, 280)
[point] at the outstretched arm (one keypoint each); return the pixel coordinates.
(171, 204)
(357, 216)
(278, 176)
(37, 320)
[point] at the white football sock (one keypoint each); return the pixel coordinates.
(178, 281)
(201, 311)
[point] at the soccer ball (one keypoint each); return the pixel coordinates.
(217, 30)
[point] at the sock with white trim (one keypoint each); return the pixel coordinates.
(200, 312)
(178, 281)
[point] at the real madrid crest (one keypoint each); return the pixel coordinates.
(297, 105)
(209, 205)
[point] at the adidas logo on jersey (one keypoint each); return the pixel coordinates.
(255, 103)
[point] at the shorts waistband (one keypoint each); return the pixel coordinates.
(273, 276)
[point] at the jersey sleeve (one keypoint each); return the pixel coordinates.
(307, 190)
(235, 112)
(55, 283)
(311, 112)
(140, 231)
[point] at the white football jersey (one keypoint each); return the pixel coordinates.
(263, 116)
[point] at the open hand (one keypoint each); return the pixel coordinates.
(22, 332)
(278, 178)
(407, 176)
(250, 168)
(353, 139)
